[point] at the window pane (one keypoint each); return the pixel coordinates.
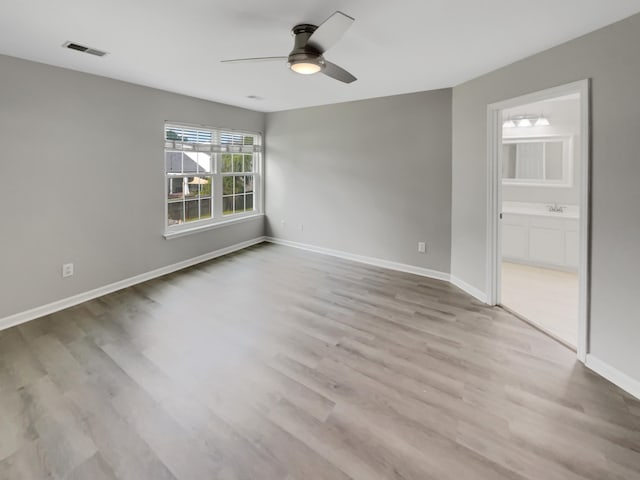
(248, 140)
(227, 205)
(248, 183)
(248, 163)
(191, 187)
(175, 214)
(239, 184)
(204, 186)
(249, 201)
(197, 162)
(239, 203)
(205, 208)
(189, 163)
(199, 186)
(227, 165)
(175, 188)
(227, 185)
(237, 163)
(192, 210)
(173, 162)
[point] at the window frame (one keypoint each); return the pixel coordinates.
(218, 218)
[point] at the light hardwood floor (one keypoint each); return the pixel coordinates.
(274, 363)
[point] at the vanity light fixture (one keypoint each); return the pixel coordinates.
(542, 122)
(524, 122)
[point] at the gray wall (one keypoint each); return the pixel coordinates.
(371, 177)
(82, 181)
(610, 58)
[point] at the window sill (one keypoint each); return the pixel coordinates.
(211, 226)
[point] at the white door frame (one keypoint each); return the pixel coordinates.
(494, 197)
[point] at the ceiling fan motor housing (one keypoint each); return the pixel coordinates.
(302, 52)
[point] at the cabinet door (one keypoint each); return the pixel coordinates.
(547, 245)
(514, 242)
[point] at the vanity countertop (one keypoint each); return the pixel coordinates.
(540, 209)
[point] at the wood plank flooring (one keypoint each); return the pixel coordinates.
(278, 364)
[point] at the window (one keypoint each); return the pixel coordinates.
(210, 174)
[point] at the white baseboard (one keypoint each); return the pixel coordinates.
(376, 262)
(614, 375)
(22, 317)
(470, 289)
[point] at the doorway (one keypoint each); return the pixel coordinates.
(539, 210)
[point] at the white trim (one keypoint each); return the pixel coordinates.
(494, 202)
(615, 376)
(584, 224)
(470, 289)
(540, 95)
(376, 262)
(22, 317)
(494, 192)
(211, 226)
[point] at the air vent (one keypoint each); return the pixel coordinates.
(82, 48)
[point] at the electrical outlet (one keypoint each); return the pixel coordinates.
(422, 247)
(67, 270)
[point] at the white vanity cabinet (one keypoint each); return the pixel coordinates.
(515, 236)
(549, 241)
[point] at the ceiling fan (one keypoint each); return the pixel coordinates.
(310, 44)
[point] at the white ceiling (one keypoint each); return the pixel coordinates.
(393, 47)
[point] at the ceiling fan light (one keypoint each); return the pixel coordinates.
(542, 122)
(305, 67)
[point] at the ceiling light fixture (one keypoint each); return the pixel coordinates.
(509, 123)
(306, 64)
(305, 68)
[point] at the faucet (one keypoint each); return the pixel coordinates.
(556, 208)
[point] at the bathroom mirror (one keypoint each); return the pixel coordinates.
(537, 161)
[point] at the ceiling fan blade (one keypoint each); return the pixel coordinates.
(256, 59)
(330, 31)
(339, 73)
